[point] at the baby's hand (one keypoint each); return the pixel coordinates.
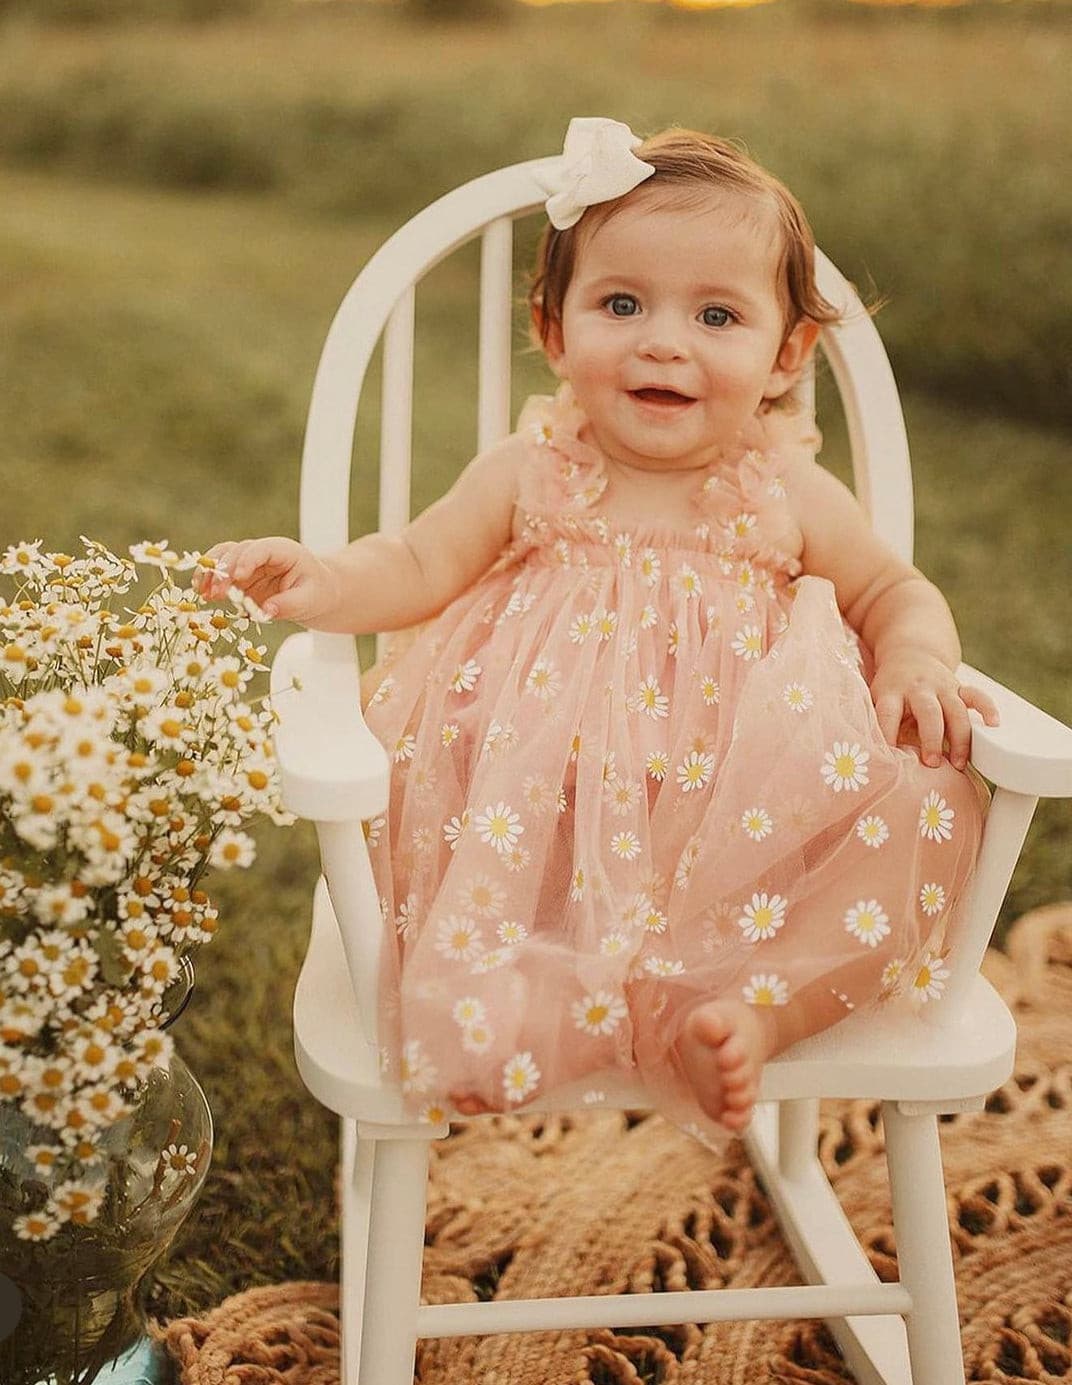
(286, 580)
(920, 685)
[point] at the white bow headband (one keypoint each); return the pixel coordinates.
(597, 164)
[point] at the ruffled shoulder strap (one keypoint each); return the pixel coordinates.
(560, 472)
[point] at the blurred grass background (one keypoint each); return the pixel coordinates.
(185, 197)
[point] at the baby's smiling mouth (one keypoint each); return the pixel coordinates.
(661, 396)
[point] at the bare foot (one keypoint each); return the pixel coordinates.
(723, 1047)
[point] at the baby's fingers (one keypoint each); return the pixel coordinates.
(889, 708)
(957, 729)
(930, 721)
(982, 702)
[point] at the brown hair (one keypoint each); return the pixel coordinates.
(683, 159)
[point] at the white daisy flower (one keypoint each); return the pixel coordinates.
(544, 680)
(766, 990)
(845, 767)
(520, 1078)
(935, 818)
(537, 793)
(891, 973)
(929, 981)
(614, 943)
(624, 795)
(580, 628)
(625, 845)
(477, 1037)
(650, 566)
(499, 826)
(449, 733)
(695, 771)
(577, 884)
(747, 643)
(517, 859)
(599, 1013)
(649, 618)
(468, 1010)
(867, 922)
(500, 738)
(481, 895)
(372, 828)
(404, 748)
(459, 939)
(687, 582)
(649, 699)
(797, 697)
(384, 692)
(763, 917)
(757, 823)
(606, 623)
(511, 933)
(623, 549)
(872, 831)
(710, 690)
(932, 898)
(465, 675)
(657, 765)
(491, 961)
(452, 830)
(418, 1073)
(664, 966)
(741, 524)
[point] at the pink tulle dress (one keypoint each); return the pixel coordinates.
(635, 769)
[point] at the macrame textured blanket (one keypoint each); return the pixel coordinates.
(527, 1207)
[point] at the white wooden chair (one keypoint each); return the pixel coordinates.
(336, 774)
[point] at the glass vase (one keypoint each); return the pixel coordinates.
(81, 1294)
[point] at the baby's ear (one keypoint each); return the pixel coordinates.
(551, 344)
(793, 356)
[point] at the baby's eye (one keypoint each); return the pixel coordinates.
(716, 317)
(622, 304)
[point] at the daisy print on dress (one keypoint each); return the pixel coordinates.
(872, 830)
(845, 766)
(868, 922)
(499, 826)
(936, 818)
(762, 917)
(520, 1077)
(929, 981)
(600, 1013)
(766, 990)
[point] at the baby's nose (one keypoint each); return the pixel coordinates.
(662, 342)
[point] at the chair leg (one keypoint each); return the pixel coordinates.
(924, 1254)
(356, 1160)
(392, 1288)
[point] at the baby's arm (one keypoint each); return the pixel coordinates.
(902, 617)
(382, 582)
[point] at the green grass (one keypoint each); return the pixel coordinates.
(927, 146)
(160, 329)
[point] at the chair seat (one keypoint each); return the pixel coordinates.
(883, 1054)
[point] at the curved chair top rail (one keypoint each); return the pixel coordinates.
(381, 296)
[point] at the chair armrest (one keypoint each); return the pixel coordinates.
(331, 767)
(1029, 753)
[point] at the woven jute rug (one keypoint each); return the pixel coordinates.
(594, 1202)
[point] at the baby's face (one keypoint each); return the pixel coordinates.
(672, 329)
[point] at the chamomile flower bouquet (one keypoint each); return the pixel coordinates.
(132, 753)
